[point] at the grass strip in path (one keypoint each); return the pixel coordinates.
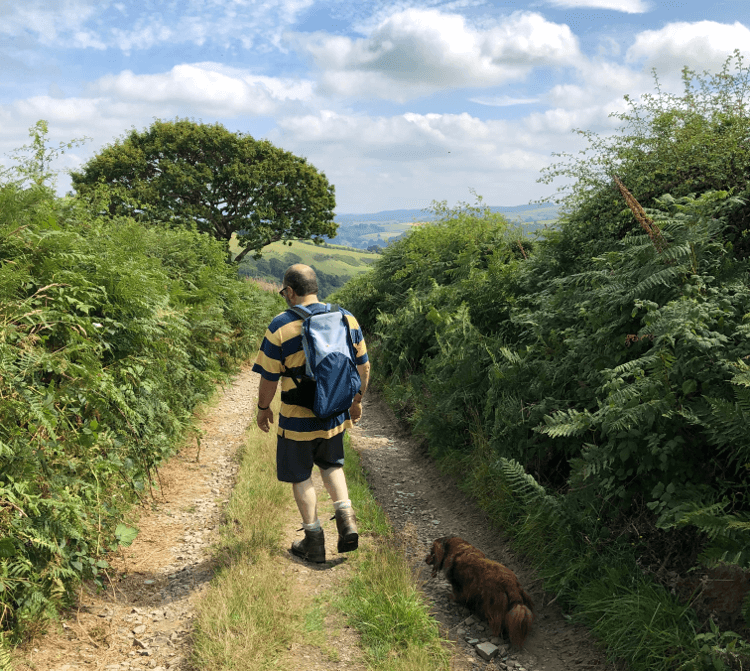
(254, 613)
(248, 615)
(382, 600)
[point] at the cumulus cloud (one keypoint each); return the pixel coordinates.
(206, 87)
(418, 51)
(503, 101)
(115, 103)
(460, 140)
(599, 82)
(702, 45)
(627, 6)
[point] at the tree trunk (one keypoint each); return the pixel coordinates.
(241, 255)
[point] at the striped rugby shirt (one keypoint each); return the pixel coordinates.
(281, 352)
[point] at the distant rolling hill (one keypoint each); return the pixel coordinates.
(365, 230)
(537, 211)
(334, 265)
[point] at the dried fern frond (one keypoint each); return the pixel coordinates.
(647, 224)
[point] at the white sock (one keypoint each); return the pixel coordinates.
(311, 527)
(340, 505)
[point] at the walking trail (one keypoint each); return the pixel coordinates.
(144, 618)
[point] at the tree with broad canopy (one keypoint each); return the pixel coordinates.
(183, 173)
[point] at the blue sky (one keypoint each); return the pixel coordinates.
(399, 103)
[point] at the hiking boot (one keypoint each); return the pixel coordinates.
(346, 523)
(312, 547)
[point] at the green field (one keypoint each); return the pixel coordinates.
(333, 265)
(392, 229)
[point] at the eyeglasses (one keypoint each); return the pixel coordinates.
(283, 291)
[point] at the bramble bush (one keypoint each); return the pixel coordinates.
(608, 356)
(110, 334)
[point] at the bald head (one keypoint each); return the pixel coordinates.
(302, 279)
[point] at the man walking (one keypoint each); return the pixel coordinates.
(302, 438)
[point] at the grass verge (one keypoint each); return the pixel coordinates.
(251, 614)
(383, 601)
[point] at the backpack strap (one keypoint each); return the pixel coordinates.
(301, 311)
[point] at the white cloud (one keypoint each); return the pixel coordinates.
(417, 51)
(703, 45)
(251, 23)
(444, 141)
(423, 157)
(503, 101)
(600, 83)
(55, 22)
(206, 88)
(131, 26)
(116, 103)
(627, 6)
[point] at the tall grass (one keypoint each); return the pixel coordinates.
(384, 604)
(637, 620)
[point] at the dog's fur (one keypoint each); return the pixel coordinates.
(486, 587)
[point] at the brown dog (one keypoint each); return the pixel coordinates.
(486, 587)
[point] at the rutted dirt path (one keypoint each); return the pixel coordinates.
(144, 619)
(428, 505)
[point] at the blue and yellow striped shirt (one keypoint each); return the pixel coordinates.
(281, 353)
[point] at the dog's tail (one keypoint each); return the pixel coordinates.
(519, 621)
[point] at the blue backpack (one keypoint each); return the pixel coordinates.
(331, 380)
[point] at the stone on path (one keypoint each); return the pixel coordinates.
(487, 651)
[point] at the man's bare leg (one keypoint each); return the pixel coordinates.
(307, 501)
(335, 483)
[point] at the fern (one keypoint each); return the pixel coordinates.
(664, 277)
(566, 423)
(729, 533)
(522, 484)
(5, 658)
(109, 336)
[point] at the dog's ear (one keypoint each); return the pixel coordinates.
(430, 558)
(437, 555)
(452, 547)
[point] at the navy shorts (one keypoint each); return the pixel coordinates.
(295, 458)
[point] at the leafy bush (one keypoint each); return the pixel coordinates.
(677, 144)
(110, 334)
(608, 357)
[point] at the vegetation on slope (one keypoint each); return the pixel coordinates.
(608, 360)
(110, 334)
